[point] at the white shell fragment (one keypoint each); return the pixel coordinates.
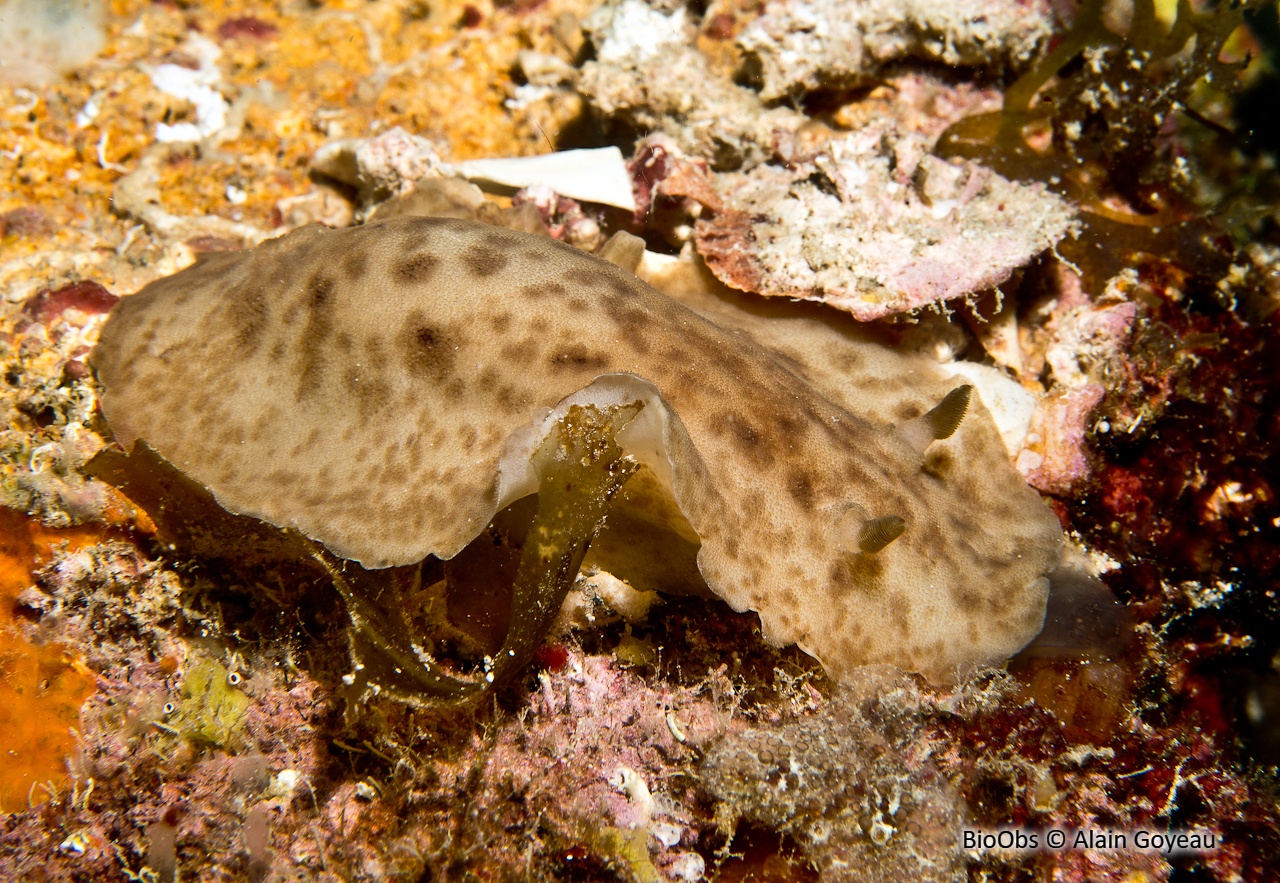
(598, 175)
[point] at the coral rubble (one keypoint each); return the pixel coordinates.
(802, 47)
(876, 225)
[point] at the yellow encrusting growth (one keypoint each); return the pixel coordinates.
(212, 710)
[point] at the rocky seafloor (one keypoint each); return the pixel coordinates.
(1078, 199)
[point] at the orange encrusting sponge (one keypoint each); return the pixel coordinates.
(41, 688)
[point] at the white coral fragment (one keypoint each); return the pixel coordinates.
(636, 32)
(647, 73)
(197, 87)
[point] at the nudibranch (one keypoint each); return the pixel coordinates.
(384, 391)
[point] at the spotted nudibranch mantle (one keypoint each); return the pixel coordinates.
(385, 390)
